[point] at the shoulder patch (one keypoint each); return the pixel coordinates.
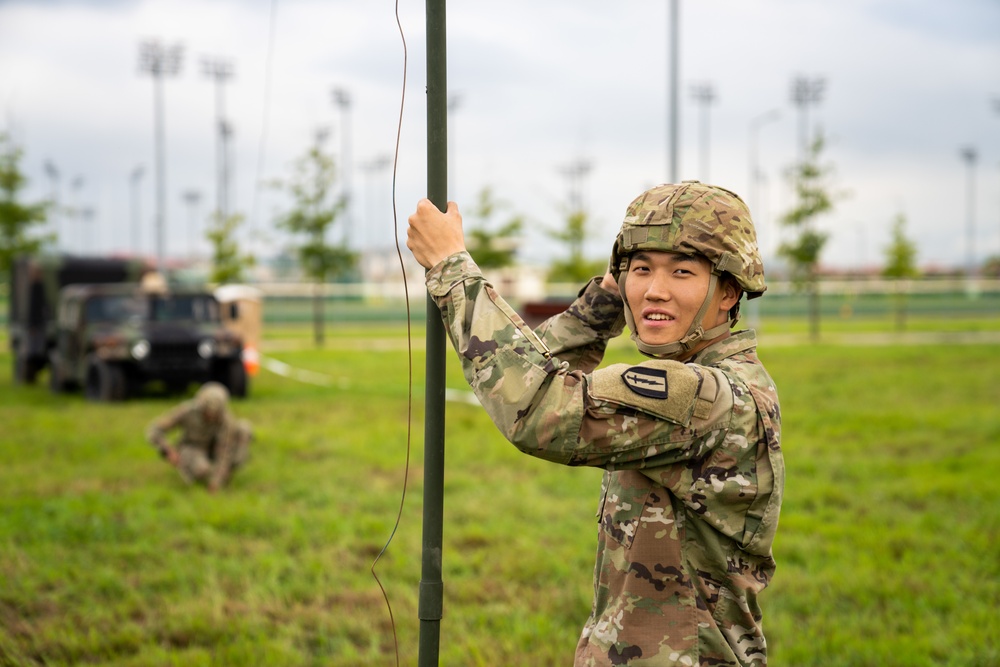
(665, 389)
(651, 382)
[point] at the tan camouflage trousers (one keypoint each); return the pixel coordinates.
(196, 466)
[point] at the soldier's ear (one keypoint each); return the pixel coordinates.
(731, 291)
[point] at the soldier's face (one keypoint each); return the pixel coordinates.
(665, 290)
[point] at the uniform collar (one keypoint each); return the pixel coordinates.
(738, 342)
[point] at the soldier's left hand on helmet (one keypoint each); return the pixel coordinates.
(609, 283)
(433, 235)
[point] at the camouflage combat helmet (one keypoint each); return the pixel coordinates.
(212, 397)
(692, 219)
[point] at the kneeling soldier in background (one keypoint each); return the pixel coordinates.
(213, 443)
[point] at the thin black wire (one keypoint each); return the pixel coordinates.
(409, 345)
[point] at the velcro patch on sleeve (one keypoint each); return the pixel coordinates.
(666, 389)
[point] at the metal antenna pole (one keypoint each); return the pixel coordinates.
(431, 587)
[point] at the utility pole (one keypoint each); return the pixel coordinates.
(806, 92)
(970, 155)
(159, 61)
(673, 121)
(704, 95)
(220, 71)
(342, 98)
(134, 180)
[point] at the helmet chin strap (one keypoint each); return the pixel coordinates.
(695, 333)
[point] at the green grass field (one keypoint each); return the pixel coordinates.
(888, 550)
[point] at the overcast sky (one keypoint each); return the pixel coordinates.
(542, 87)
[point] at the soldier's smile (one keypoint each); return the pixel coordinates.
(666, 290)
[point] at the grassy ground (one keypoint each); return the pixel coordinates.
(888, 551)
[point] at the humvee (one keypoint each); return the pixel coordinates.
(113, 339)
(112, 327)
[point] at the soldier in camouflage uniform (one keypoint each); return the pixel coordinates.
(689, 439)
(212, 444)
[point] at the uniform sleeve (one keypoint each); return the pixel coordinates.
(157, 431)
(580, 334)
(552, 411)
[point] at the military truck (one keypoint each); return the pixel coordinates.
(112, 337)
(35, 283)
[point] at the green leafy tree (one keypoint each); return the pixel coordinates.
(991, 267)
(492, 248)
(17, 220)
(575, 268)
(813, 199)
(901, 263)
(313, 215)
(228, 264)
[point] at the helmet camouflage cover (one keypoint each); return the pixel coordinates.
(693, 218)
(212, 397)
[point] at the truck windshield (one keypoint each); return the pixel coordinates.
(193, 307)
(113, 308)
(171, 308)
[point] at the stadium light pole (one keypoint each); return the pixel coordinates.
(454, 102)
(704, 96)
(75, 209)
(159, 61)
(370, 169)
(806, 92)
(192, 198)
(970, 155)
(220, 71)
(135, 179)
(53, 174)
(996, 108)
(87, 216)
(755, 173)
(673, 119)
(342, 98)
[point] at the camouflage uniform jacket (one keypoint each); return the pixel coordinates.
(694, 471)
(216, 439)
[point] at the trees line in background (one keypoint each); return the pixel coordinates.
(492, 229)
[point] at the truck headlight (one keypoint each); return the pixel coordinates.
(206, 349)
(140, 349)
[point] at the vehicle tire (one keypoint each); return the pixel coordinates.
(234, 377)
(104, 382)
(25, 370)
(20, 369)
(57, 384)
